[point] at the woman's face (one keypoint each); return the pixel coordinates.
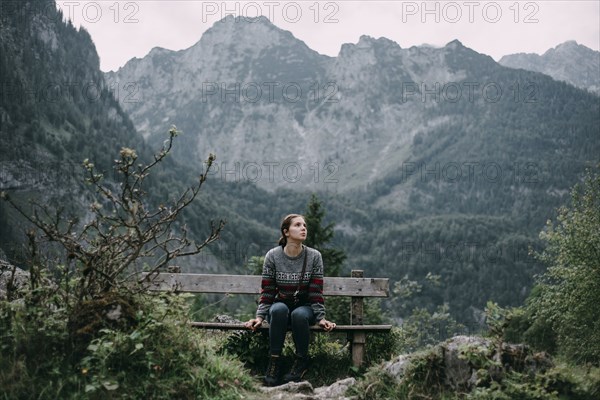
(297, 230)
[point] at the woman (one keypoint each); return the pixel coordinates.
(290, 297)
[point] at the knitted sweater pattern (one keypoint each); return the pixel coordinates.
(281, 274)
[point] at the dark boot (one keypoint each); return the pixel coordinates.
(298, 370)
(272, 374)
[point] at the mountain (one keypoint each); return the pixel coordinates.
(56, 109)
(570, 62)
(245, 81)
(362, 121)
(428, 159)
(55, 100)
(248, 99)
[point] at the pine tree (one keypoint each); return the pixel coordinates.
(319, 236)
(567, 295)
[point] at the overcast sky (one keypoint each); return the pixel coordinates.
(122, 30)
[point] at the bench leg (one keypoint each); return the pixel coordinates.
(358, 348)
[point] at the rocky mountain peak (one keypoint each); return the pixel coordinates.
(244, 34)
(368, 51)
(236, 45)
(568, 45)
(248, 89)
(569, 49)
(569, 61)
(454, 45)
(159, 51)
(368, 41)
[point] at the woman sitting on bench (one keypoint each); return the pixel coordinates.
(291, 294)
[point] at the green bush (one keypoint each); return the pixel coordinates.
(523, 327)
(330, 358)
(161, 358)
(252, 348)
(158, 357)
(90, 329)
(35, 351)
(567, 295)
(383, 346)
(423, 328)
(424, 378)
(376, 384)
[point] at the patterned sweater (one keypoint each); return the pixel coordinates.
(281, 273)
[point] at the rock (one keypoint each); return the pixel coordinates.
(570, 62)
(304, 390)
(335, 391)
(397, 366)
(514, 356)
(19, 282)
(292, 390)
(114, 314)
(458, 371)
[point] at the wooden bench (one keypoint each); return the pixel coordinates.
(357, 287)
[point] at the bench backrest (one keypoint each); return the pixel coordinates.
(250, 284)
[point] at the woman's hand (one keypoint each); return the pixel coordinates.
(254, 323)
(327, 325)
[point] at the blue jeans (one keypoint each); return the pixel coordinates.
(300, 318)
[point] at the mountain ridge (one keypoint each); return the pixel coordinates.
(416, 152)
(569, 61)
(322, 86)
(424, 143)
(246, 95)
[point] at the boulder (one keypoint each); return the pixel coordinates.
(459, 373)
(304, 391)
(461, 357)
(335, 391)
(397, 366)
(19, 281)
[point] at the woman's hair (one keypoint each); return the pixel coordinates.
(285, 225)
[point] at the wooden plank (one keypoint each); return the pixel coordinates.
(265, 326)
(356, 317)
(250, 284)
(359, 341)
(357, 306)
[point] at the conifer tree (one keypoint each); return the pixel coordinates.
(319, 236)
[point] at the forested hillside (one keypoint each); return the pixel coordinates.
(437, 167)
(55, 103)
(55, 111)
(429, 160)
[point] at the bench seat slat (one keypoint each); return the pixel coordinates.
(250, 284)
(265, 326)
